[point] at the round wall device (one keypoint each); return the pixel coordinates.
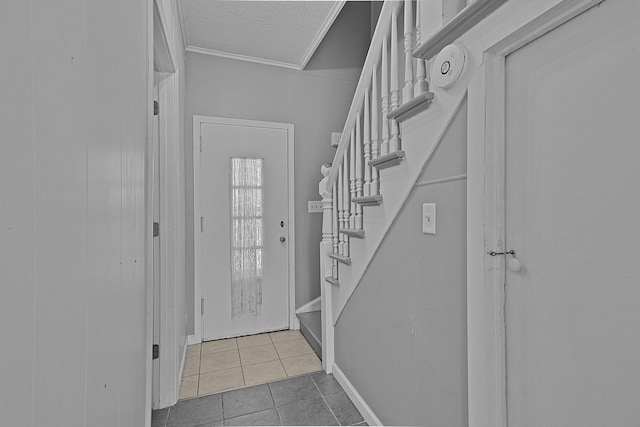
(448, 66)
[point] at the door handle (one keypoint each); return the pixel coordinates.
(282, 239)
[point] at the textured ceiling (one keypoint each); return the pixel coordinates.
(284, 33)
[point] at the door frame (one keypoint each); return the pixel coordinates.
(162, 55)
(507, 30)
(197, 236)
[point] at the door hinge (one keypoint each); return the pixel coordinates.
(156, 351)
(156, 108)
(156, 229)
(202, 224)
(202, 307)
(201, 143)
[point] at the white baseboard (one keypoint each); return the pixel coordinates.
(191, 339)
(314, 305)
(355, 397)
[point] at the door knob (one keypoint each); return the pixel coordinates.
(515, 264)
(282, 239)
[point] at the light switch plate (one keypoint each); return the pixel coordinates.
(429, 218)
(315, 207)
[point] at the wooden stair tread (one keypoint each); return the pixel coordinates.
(412, 107)
(388, 160)
(353, 232)
(333, 281)
(368, 200)
(340, 258)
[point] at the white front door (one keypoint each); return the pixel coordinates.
(572, 216)
(245, 228)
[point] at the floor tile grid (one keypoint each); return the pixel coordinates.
(290, 356)
(259, 404)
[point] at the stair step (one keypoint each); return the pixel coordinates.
(411, 108)
(340, 258)
(352, 232)
(368, 200)
(332, 280)
(388, 160)
(311, 329)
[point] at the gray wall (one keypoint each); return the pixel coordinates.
(315, 100)
(401, 339)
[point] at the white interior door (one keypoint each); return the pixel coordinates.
(245, 282)
(572, 208)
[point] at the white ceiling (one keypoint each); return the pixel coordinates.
(282, 33)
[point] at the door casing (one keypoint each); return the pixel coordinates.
(197, 235)
(172, 327)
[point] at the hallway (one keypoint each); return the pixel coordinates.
(312, 399)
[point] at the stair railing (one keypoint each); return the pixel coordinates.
(370, 141)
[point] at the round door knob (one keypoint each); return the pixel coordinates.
(282, 239)
(515, 264)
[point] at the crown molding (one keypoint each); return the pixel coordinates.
(243, 57)
(326, 25)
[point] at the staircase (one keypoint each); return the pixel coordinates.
(389, 136)
(311, 328)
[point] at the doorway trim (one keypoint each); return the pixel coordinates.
(197, 236)
(487, 392)
(172, 329)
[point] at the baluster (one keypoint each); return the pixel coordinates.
(421, 72)
(374, 131)
(352, 182)
(334, 224)
(340, 196)
(384, 146)
(358, 174)
(346, 200)
(394, 142)
(367, 146)
(407, 90)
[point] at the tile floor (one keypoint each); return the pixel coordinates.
(222, 365)
(307, 400)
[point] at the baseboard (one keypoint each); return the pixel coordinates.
(314, 305)
(355, 397)
(191, 339)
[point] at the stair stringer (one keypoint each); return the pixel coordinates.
(421, 135)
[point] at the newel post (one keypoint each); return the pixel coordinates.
(329, 240)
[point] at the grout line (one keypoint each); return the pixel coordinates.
(325, 401)
(274, 402)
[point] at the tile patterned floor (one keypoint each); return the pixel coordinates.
(307, 400)
(223, 365)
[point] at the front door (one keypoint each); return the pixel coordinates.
(245, 228)
(572, 216)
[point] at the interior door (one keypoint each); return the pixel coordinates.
(245, 257)
(572, 210)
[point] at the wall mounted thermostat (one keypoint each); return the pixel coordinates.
(448, 66)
